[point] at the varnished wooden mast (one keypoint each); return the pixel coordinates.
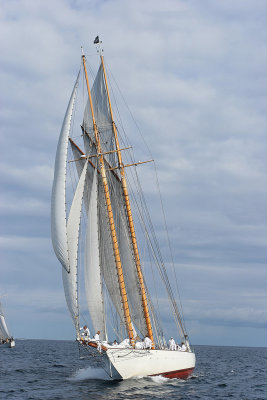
(111, 218)
(130, 217)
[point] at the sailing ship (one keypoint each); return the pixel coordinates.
(94, 235)
(5, 339)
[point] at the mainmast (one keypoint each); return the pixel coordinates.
(129, 214)
(110, 216)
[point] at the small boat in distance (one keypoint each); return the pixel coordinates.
(5, 339)
(108, 282)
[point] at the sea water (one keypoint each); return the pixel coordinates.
(46, 369)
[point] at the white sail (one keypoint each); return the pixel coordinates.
(73, 228)
(89, 175)
(108, 265)
(93, 284)
(4, 334)
(101, 107)
(127, 259)
(58, 204)
(104, 123)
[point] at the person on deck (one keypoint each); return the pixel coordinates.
(86, 331)
(97, 339)
(115, 343)
(148, 343)
(183, 347)
(172, 345)
(139, 345)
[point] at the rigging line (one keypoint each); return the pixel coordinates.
(169, 243)
(154, 311)
(114, 324)
(161, 268)
(140, 217)
(164, 270)
(105, 240)
(155, 239)
(114, 99)
(164, 217)
(122, 221)
(154, 281)
(126, 104)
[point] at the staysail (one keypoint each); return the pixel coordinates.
(70, 281)
(93, 281)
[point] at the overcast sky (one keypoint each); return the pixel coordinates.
(194, 76)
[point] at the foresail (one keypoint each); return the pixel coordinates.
(93, 281)
(73, 229)
(58, 204)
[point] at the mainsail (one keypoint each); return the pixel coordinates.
(104, 124)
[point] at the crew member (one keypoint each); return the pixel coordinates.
(172, 345)
(147, 343)
(97, 339)
(183, 347)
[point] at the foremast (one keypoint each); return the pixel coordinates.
(129, 214)
(116, 251)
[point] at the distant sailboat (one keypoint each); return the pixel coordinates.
(93, 231)
(5, 339)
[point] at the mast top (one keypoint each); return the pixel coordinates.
(98, 42)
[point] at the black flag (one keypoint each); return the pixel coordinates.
(96, 40)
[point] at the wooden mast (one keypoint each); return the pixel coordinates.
(130, 217)
(110, 217)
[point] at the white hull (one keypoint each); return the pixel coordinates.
(8, 344)
(126, 363)
(129, 363)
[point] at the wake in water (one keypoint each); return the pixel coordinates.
(159, 379)
(99, 374)
(90, 373)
